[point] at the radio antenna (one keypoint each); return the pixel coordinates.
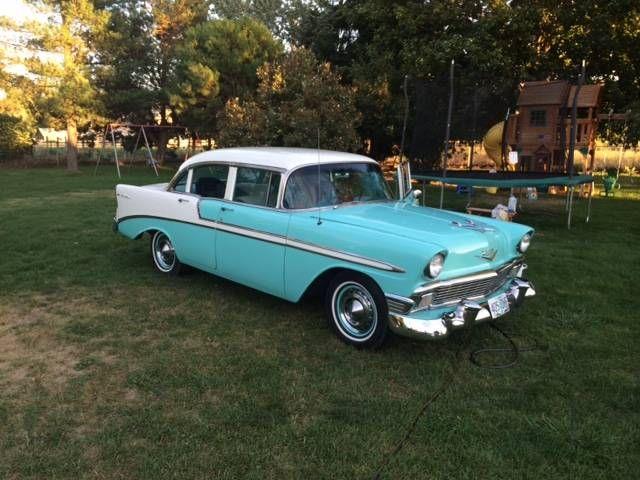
(318, 196)
(447, 135)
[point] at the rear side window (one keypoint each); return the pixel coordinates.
(180, 185)
(210, 180)
(256, 186)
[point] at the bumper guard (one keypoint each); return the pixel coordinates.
(464, 314)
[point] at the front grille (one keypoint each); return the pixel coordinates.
(472, 289)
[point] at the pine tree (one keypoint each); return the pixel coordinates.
(67, 95)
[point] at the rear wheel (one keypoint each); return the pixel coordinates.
(357, 310)
(164, 254)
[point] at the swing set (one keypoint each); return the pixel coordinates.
(110, 132)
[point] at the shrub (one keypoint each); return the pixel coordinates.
(15, 136)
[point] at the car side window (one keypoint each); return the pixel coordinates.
(180, 184)
(256, 186)
(210, 180)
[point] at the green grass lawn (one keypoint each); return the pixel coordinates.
(110, 370)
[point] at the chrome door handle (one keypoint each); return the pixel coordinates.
(183, 200)
(226, 209)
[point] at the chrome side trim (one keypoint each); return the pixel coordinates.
(281, 240)
(348, 257)
(251, 233)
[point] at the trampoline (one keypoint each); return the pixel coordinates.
(512, 180)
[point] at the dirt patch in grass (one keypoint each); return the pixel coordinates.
(35, 359)
(31, 349)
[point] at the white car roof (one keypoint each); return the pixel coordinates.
(276, 157)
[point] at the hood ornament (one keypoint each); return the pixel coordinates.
(489, 254)
(471, 225)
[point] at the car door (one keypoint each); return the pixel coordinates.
(206, 188)
(252, 233)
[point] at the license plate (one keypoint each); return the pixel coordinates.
(499, 305)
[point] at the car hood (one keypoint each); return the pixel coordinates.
(468, 240)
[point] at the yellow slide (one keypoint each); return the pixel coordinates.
(492, 143)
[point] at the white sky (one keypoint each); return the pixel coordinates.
(17, 10)
(12, 42)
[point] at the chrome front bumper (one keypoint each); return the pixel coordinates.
(437, 324)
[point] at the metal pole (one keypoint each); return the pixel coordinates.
(104, 136)
(589, 204)
(503, 141)
(570, 207)
(406, 115)
(135, 149)
(447, 134)
(574, 120)
(620, 157)
(115, 152)
(402, 188)
(186, 153)
(153, 163)
(474, 127)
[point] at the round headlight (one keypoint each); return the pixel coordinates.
(525, 241)
(435, 265)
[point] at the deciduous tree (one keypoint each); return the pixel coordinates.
(297, 95)
(17, 109)
(67, 94)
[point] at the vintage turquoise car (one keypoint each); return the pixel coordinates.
(293, 222)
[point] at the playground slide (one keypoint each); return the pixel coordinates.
(492, 143)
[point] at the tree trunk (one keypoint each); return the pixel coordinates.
(72, 146)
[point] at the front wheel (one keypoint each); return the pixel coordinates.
(357, 310)
(164, 254)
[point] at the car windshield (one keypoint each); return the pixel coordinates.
(333, 184)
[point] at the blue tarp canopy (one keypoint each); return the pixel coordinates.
(503, 179)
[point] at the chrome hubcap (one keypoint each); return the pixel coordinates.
(163, 252)
(354, 310)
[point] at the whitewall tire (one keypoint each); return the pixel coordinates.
(164, 255)
(357, 310)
